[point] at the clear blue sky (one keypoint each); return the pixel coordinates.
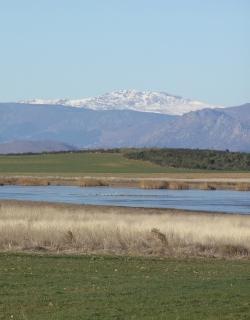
(77, 48)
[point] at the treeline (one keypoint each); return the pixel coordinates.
(193, 159)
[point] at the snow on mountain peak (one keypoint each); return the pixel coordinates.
(144, 101)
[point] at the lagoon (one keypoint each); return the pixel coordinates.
(226, 201)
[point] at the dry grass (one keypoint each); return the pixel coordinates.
(88, 182)
(195, 184)
(157, 184)
(126, 231)
(145, 183)
(46, 181)
(242, 187)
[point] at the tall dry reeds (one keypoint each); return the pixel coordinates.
(139, 182)
(122, 231)
(161, 184)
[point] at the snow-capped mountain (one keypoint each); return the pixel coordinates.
(144, 101)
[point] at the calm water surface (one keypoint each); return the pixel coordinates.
(203, 200)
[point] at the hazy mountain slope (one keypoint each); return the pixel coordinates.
(145, 101)
(241, 113)
(80, 127)
(227, 128)
(21, 146)
(212, 129)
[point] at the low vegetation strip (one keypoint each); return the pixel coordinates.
(193, 159)
(144, 183)
(122, 231)
(45, 287)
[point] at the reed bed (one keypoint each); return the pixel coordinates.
(122, 231)
(56, 181)
(192, 184)
(144, 183)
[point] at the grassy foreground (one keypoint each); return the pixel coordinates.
(84, 287)
(122, 231)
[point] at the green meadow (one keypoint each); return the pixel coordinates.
(78, 163)
(99, 287)
(127, 161)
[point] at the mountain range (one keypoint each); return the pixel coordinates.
(125, 118)
(144, 101)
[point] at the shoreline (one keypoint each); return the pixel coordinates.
(109, 209)
(239, 184)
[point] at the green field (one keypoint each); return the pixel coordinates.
(127, 162)
(78, 163)
(83, 287)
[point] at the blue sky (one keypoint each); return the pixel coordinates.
(78, 48)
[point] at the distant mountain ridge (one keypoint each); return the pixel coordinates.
(144, 101)
(24, 146)
(209, 128)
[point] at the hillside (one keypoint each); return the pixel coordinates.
(224, 128)
(23, 146)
